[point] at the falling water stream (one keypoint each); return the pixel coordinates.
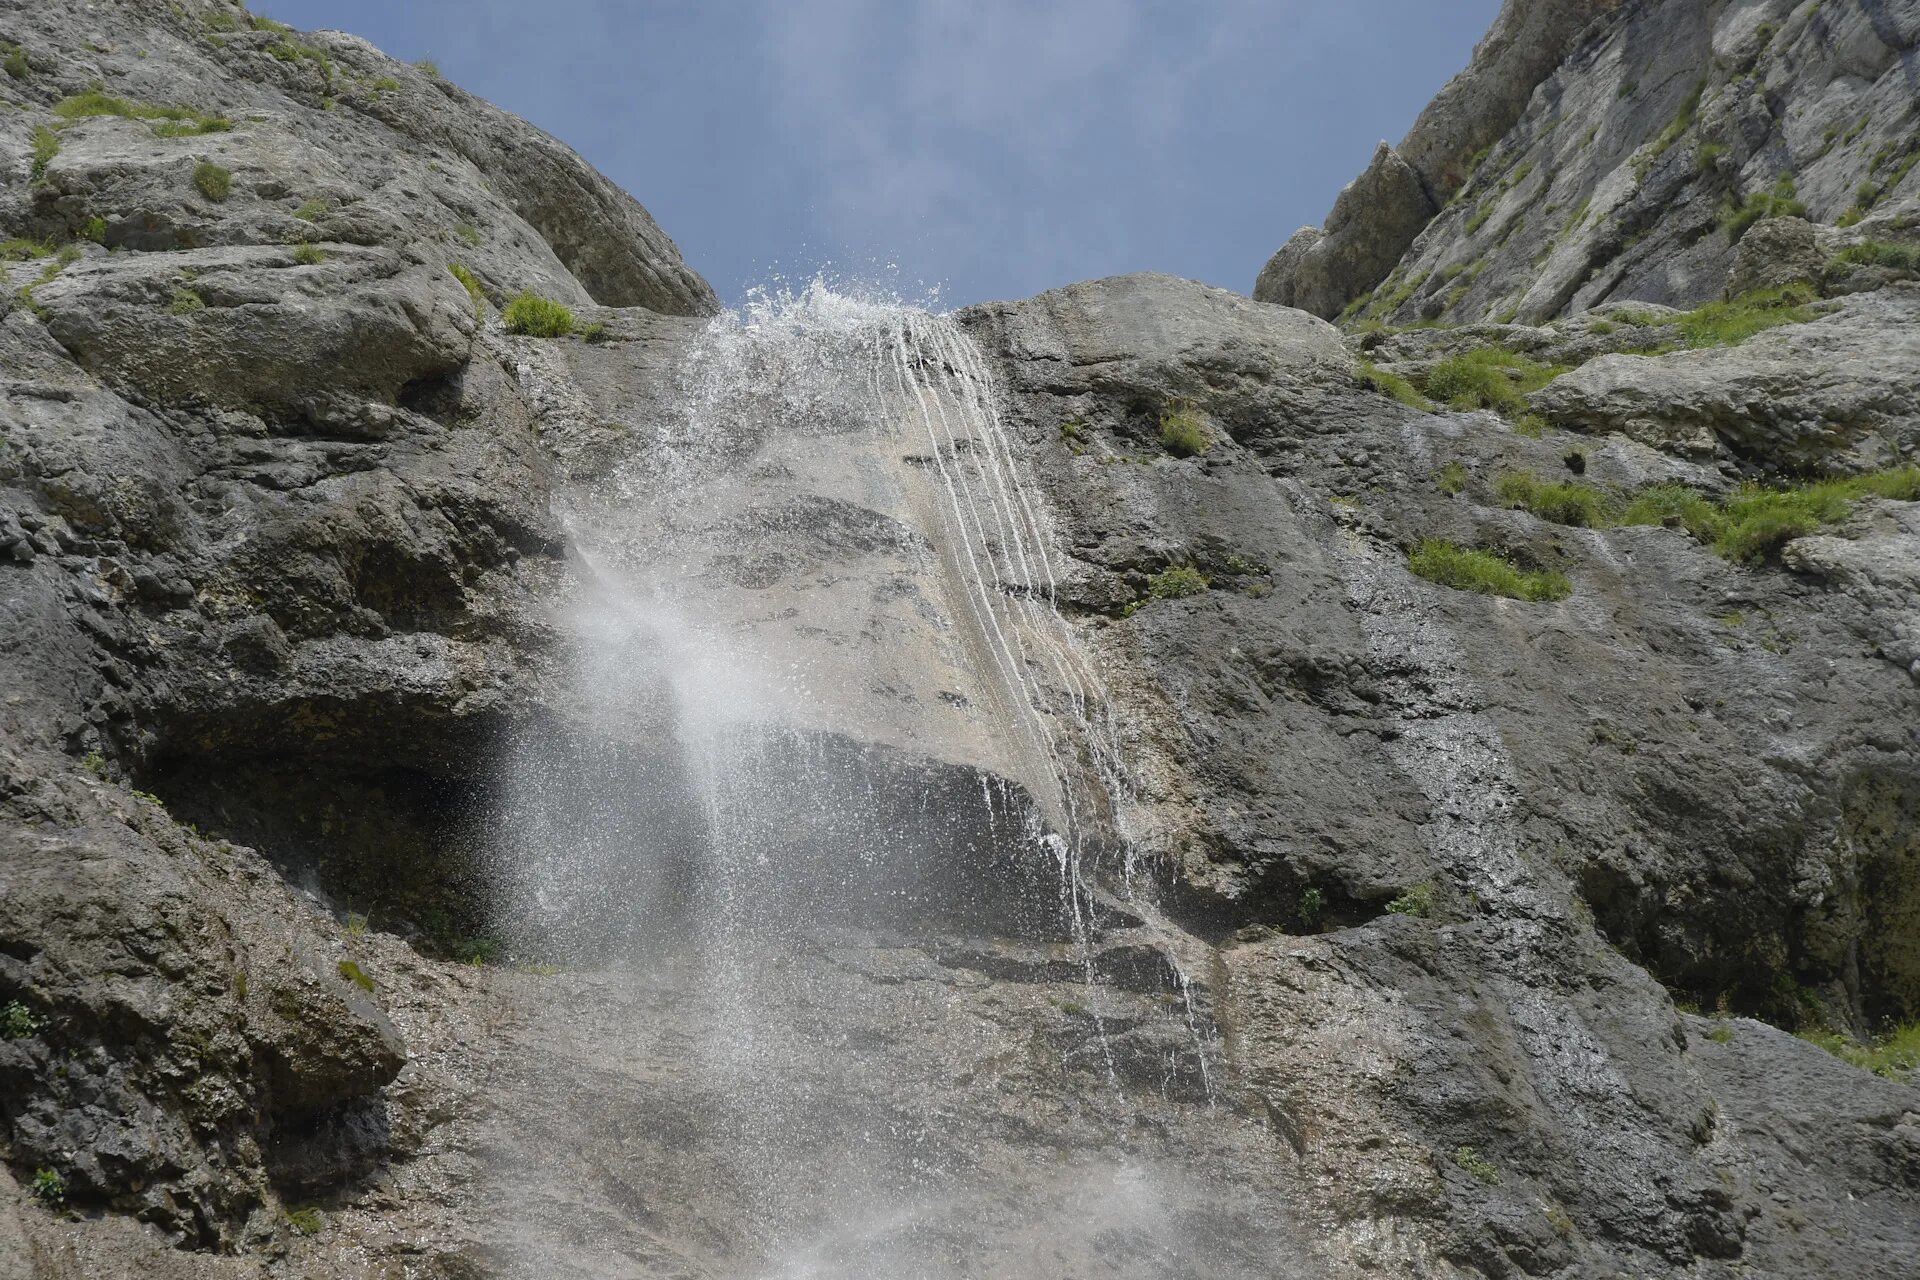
(826, 720)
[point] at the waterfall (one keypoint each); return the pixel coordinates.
(824, 714)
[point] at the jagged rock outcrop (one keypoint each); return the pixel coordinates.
(1643, 155)
(1378, 215)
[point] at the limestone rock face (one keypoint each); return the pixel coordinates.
(1371, 225)
(1380, 213)
(1834, 395)
(1633, 162)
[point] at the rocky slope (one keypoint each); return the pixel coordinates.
(1626, 165)
(1495, 915)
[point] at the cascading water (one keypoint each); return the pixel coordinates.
(834, 755)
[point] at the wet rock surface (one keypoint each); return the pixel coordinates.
(1442, 875)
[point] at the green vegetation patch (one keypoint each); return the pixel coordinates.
(46, 145)
(17, 1022)
(356, 975)
(19, 250)
(1895, 1055)
(215, 182)
(309, 254)
(1477, 1165)
(185, 302)
(1756, 522)
(167, 122)
(1417, 901)
(1780, 202)
(1182, 432)
(1451, 479)
(1467, 569)
(471, 284)
(15, 61)
(1391, 385)
(1722, 324)
(313, 210)
(1176, 582)
(307, 1221)
(1879, 253)
(1561, 501)
(1487, 378)
(537, 317)
(49, 1187)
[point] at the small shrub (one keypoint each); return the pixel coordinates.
(356, 975)
(1721, 1032)
(48, 1187)
(467, 232)
(428, 67)
(1488, 378)
(269, 25)
(386, 84)
(309, 254)
(95, 764)
(307, 1221)
(21, 250)
(538, 317)
(1451, 479)
(16, 62)
(1481, 212)
(214, 181)
(1417, 901)
(1175, 582)
(355, 924)
(312, 211)
(1311, 907)
(95, 230)
(472, 285)
(186, 302)
(17, 1022)
(1466, 569)
(220, 22)
(1182, 432)
(1391, 385)
(1707, 157)
(595, 333)
(1562, 502)
(1477, 1165)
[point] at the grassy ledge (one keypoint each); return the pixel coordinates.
(1466, 569)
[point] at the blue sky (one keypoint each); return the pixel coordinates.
(992, 148)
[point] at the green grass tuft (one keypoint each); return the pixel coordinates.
(46, 145)
(1182, 432)
(16, 62)
(312, 211)
(1466, 569)
(307, 1221)
(1755, 523)
(1879, 253)
(472, 285)
(167, 122)
(356, 975)
(538, 317)
(1738, 219)
(185, 302)
(1723, 324)
(468, 233)
(1392, 385)
(595, 333)
(1895, 1055)
(309, 254)
(1562, 501)
(17, 1022)
(19, 250)
(1488, 378)
(1451, 479)
(214, 181)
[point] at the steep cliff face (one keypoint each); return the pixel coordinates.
(1631, 164)
(1505, 792)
